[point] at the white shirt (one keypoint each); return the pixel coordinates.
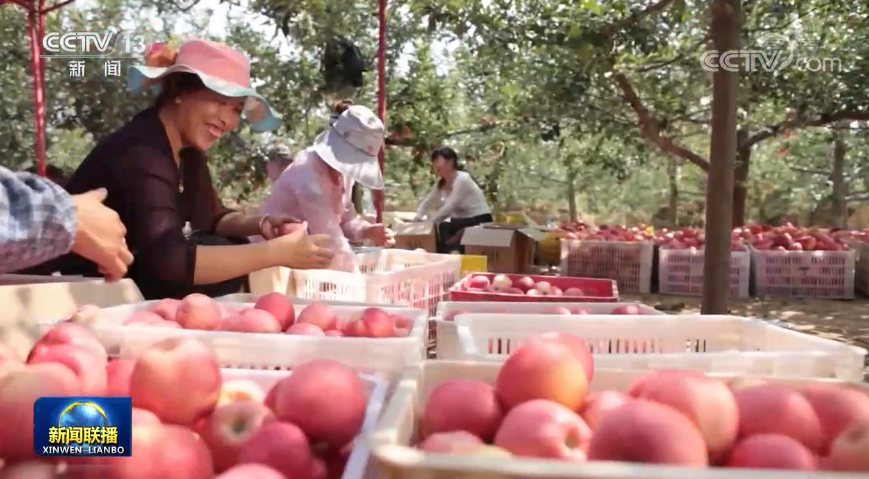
(465, 200)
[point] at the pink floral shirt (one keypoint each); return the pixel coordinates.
(305, 191)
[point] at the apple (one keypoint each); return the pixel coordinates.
(462, 405)
(229, 427)
(542, 428)
(251, 321)
(69, 333)
(197, 311)
(320, 315)
(524, 283)
(502, 282)
(326, 399)
(542, 370)
(240, 390)
(305, 329)
(89, 367)
(481, 282)
(626, 309)
(178, 379)
(279, 445)
(279, 306)
(18, 391)
(376, 323)
(166, 308)
(251, 471)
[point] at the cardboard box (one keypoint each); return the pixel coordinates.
(26, 304)
(415, 235)
(507, 248)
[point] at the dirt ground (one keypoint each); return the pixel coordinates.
(845, 321)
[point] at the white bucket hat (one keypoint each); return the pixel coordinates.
(351, 144)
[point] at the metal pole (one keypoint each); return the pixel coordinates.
(381, 93)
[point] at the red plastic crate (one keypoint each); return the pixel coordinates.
(599, 290)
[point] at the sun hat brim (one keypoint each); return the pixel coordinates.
(257, 111)
(348, 160)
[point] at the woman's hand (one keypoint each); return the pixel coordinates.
(378, 234)
(298, 250)
(269, 226)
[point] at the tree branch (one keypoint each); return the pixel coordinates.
(822, 120)
(16, 2)
(548, 178)
(692, 50)
(649, 127)
(862, 196)
(811, 171)
(54, 7)
(413, 141)
(636, 16)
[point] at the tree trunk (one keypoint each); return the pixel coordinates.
(673, 174)
(719, 192)
(571, 197)
(740, 179)
(837, 177)
(494, 177)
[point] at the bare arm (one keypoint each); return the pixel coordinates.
(426, 203)
(220, 263)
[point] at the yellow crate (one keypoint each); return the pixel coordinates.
(472, 263)
(510, 218)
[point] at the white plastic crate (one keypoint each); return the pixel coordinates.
(444, 334)
(391, 276)
(381, 357)
(396, 433)
(629, 263)
(359, 465)
(804, 274)
(680, 271)
(715, 344)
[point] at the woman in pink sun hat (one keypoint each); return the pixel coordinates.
(155, 170)
(317, 187)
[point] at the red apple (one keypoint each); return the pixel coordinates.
(229, 426)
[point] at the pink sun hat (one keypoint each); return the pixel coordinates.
(221, 68)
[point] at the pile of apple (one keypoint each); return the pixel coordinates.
(788, 237)
(608, 233)
(524, 285)
(692, 239)
(540, 407)
(272, 313)
(622, 309)
(187, 422)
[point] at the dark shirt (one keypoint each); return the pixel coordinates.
(136, 165)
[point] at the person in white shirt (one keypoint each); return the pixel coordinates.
(464, 203)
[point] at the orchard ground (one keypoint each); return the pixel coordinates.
(846, 321)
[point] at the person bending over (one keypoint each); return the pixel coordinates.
(464, 204)
(317, 187)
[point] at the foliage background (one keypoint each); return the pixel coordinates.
(533, 93)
